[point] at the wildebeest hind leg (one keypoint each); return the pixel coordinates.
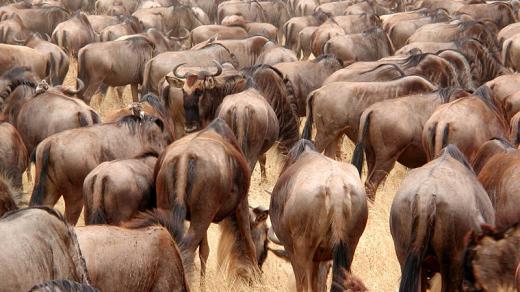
(135, 93)
(242, 214)
(263, 160)
(73, 205)
(203, 256)
(377, 175)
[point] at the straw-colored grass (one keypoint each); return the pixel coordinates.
(374, 261)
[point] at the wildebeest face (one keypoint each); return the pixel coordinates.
(259, 229)
(197, 100)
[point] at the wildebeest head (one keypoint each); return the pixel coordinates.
(258, 217)
(197, 101)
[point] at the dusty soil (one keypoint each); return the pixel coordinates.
(374, 261)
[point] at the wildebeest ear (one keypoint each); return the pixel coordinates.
(210, 83)
(261, 214)
(174, 81)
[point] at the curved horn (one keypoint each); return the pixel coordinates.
(79, 85)
(219, 69)
(186, 35)
(177, 74)
(272, 237)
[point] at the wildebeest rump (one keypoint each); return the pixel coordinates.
(47, 244)
(208, 165)
(115, 190)
(64, 160)
(467, 123)
(141, 257)
(318, 212)
(433, 210)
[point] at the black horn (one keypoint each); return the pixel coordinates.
(177, 74)
(219, 69)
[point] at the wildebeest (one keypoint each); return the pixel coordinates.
(335, 115)
(498, 177)
(467, 123)
(64, 160)
(64, 112)
(74, 34)
(401, 26)
(115, 190)
(501, 14)
(318, 212)
(224, 32)
(246, 50)
(129, 25)
(12, 29)
(404, 143)
(143, 256)
(12, 56)
(273, 54)
(17, 86)
(99, 22)
(293, 26)
(42, 19)
(492, 258)
(14, 158)
(433, 210)
(448, 32)
(306, 76)
(50, 242)
(253, 122)
(208, 164)
(114, 63)
(507, 32)
(251, 11)
(63, 286)
(253, 28)
(369, 45)
(174, 18)
(57, 58)
(162, 64)
(206, 89)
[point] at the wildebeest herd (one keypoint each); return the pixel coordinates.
(215, 84)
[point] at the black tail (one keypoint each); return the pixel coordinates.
(340, 263)
(307, 130)
(38, 193)
(411, 271)
(357, 157)
(98, 214)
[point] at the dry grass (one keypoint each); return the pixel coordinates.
(374, 262)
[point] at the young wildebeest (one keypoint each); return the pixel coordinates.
(338, 106)
(433, 210)
(14, 158)
(64, 160)
(204, 178)
(47, 249)
(466, 122)
(404, 143)
(63, 286)
(116, 190)
(492, 259)
(141, 257)
(318, 212)
(230, 251)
